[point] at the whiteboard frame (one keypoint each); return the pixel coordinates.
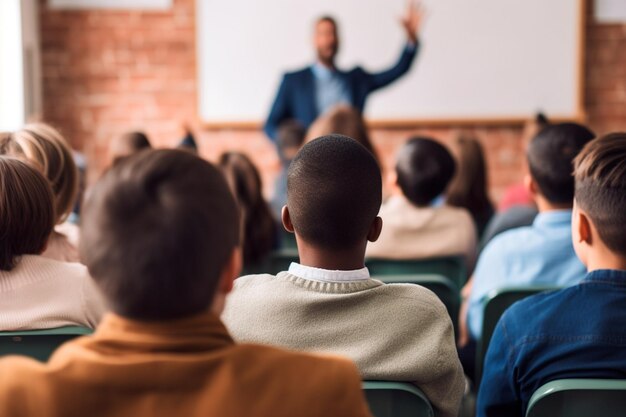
(512, 120)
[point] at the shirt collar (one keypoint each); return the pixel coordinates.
(611, 276)
(196, 333)
(553, 218)
(326, 275)
(322, 71)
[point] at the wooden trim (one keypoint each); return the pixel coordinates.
(410, 123)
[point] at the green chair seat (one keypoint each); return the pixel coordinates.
(443, 288)
(451, 267)
(396, 399)
(38, 344)
(579, 398)
(494, 306)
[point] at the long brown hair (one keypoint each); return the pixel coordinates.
(259, 227)
(468, 189)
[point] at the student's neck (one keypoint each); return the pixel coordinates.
(545, 206)
(327, 64)
(334, 260)
(605, 260)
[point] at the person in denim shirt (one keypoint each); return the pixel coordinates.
(576, 332)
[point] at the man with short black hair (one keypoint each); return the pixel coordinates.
(328, 302)
(541, 254)
(418, 224)
(160, 236)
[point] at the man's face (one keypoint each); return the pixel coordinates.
(326, 41)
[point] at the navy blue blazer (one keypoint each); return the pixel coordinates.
(296, 95)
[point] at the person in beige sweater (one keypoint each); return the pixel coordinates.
(37, 292)
(418, 224)
(328, 302)
(160, 236)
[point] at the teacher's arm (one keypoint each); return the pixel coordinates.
(280, 112)
(411, 23)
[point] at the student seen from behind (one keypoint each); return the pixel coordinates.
(37, 292)
(418, 224)
(328, 302)
(576, 332)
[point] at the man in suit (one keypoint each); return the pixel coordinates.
(163, 350)
(305, 94)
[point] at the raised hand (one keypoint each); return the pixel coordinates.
(412, 19)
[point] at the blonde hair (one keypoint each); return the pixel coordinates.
(43, 147)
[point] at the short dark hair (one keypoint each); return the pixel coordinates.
(326, 18)
(26, 211)
(334, 192)
(424, 168)
(600, 174)
(551, 156)
(157, 231)
(137, 140)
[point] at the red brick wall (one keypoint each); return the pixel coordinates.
(106, 72)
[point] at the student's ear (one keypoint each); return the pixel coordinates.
(584, 228)
(375, 229)
(581, 233)
(391, 182)
(286, 219)
(45, 246)
(227, 279)
(231, 271)
(531, 185)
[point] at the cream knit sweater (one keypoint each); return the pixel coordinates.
(41, 293)
(398, 332)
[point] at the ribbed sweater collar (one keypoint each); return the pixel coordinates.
(330, 287)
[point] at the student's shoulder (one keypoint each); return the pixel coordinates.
(253, 280)
(522, 314)
(456, 214)
(297, 74)
(513, 241)
(290, 366)
(413, 297)
(54, 268)
(18, 374)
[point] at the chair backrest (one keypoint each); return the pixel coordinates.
(494, 305)
(276, 262)
(38, 344)
(396, 399)
(579, 398)
(287, 240)
(443, 288)
(451, 267)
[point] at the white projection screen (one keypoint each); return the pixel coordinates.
(479, 60)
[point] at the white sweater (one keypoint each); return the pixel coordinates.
(398, 332)
(41, 293)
